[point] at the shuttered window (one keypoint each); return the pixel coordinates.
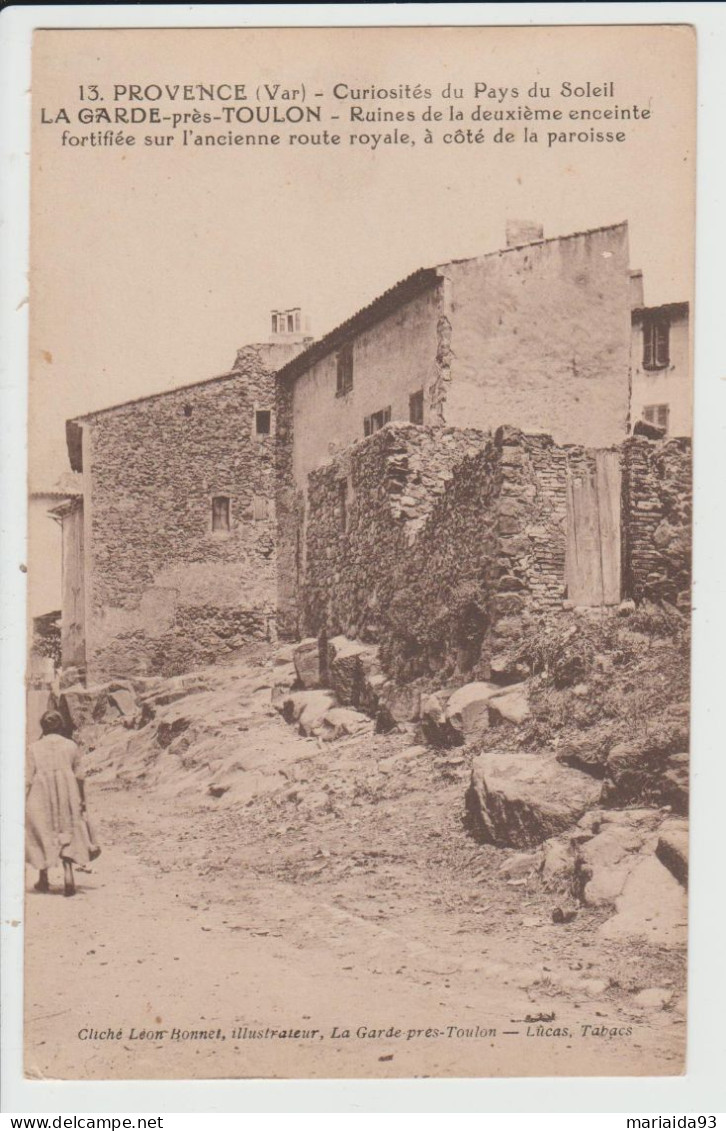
(656, 342)
(657, 414)
(376, 421)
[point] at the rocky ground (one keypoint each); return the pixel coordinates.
(344, 879)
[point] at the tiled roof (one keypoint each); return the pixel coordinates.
(672, 309)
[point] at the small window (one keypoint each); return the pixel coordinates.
(297, 320)
(344, 381)
(260, 508)
(416, 407)
(376, 420)
(657, 414)
(656, 342)
(263, 422)
(274, 323)
(220, 514)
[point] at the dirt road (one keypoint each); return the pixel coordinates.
(293, 937)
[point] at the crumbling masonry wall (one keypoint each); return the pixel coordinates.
(446, 545)
(364, 511)
(657, 497)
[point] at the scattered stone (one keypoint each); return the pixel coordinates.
(604, 863)
(402, 704)
(564, 914)
(434, 727)
(124, 701)
(672, 849)
(651, 771)
(83, 705)
(467, 711)
(522, 864)
(656, 998)
(651, 908)
(284, 656)
(342, 721)
(558, 863)
(306, 658)
(350, 665)
(626, 608)
(511, 706)
(315, 702)
(521, 799)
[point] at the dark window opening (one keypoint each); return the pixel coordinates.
(376, 421)
(344, 375)
(656, 342)
(657, 414)
(188, 410)
(416, 407)
(263, 422)
(220, 514)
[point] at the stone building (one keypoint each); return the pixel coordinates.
(169, 557)
(537, 336)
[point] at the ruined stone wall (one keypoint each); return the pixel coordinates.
(164, 592)
(657, 504)
(365, 509)
(445, 546)
(541, 338)
(440, 543)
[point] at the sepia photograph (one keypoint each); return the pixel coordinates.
(359, 561)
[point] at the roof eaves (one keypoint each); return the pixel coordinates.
(672, 309)
(386, 303)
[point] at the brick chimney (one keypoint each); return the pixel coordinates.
(519, 232)
(289, 326)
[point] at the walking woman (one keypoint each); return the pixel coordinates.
(55, 807)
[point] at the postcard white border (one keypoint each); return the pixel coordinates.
(702, 1089)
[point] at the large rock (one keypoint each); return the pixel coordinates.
(342, 721)
(398, 705)
(672, 848)
(434, 727)
(605, 861)
(307, 708)
(652, 907)
(83, 705)
(467, 711)
(522, 799)
(306, 658)
(510, 705)
(350, 666)
(124, 701)
(652, 770)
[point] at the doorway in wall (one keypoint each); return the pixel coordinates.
(593, 556)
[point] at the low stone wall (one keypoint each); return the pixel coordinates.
(657, 508)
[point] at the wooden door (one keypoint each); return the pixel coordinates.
(593, 533)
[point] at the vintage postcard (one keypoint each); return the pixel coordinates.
(360, 552)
